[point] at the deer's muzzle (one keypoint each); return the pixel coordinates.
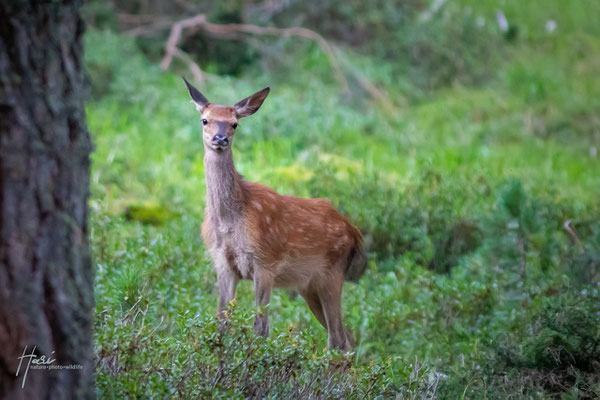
(220, 140)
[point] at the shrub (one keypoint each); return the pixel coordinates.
(202, 360)
(554, 352)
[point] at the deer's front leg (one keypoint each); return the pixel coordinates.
(262, 286)
(227, 282)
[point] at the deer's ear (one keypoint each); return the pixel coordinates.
(198, 98)
(251, 104)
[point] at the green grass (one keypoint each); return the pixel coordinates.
(461, 194)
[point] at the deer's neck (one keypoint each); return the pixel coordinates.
(224, 191)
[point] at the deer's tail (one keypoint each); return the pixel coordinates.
(357, 259)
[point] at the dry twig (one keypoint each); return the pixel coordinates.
(573, 235)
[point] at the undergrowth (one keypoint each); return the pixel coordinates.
(477, 197)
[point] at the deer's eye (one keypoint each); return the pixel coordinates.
(234, 125)
(204, 122)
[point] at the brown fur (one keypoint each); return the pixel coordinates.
(254, 233)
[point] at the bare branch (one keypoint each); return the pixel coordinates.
(285, 32)
(233, 31)
(171, 46)
(194, 68)
(236, 31)
(573, 235)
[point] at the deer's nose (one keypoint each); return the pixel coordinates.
(221, 140)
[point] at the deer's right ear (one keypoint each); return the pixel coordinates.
(198, 98)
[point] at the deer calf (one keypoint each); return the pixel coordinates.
(277, 241)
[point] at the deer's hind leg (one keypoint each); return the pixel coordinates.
(330, 296)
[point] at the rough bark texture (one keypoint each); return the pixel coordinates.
(46, 279)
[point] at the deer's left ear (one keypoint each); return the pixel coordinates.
(251, 104)
(198, 98)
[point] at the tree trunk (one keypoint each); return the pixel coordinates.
(46, 278)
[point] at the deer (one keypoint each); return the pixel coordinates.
(277, 241)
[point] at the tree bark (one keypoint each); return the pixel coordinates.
(46, 278)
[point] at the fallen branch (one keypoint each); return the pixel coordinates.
(232, 31)
(236, 32)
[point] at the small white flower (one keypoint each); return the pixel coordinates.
(502, 21)
(551, 25)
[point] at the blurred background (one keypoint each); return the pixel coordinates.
(460, 136)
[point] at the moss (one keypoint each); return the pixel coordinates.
(148, 214)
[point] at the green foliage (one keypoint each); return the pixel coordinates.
(564, 333)
(147, 213)
(553, 350)
(206, 358)
(479, 208)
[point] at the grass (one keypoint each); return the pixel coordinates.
(461, 193)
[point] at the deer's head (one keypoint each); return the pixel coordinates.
(219, 122)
